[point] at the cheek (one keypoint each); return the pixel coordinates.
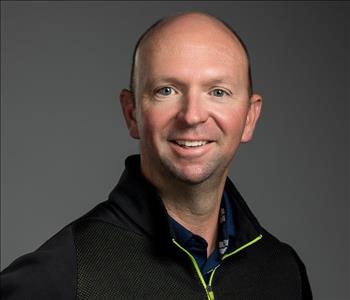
(231, 120)
(154, 121)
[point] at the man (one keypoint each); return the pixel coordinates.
(174, 227)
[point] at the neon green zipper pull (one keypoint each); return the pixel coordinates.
(210, 292)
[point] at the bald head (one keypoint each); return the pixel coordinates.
(195, 27)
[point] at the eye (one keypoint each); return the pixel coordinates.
(219, 93)
(165, 91)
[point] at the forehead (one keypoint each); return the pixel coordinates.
(194, 48)
(191, 62)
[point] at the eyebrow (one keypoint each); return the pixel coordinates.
(181, 83)
(166, 79)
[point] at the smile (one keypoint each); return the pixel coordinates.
(191, 144)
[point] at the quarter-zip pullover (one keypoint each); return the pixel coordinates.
(124, 248)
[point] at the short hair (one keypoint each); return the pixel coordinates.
(160, 21)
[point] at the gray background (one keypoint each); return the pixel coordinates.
(63, 138)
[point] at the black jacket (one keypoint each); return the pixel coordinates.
(125, 249)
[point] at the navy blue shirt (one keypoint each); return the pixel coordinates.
(197, 245)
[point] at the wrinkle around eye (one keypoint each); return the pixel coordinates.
(166, 90)
(225, 93)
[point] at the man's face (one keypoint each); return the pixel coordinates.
(192, 105)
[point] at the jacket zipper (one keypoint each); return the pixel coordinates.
(209, 292)
(208, 287)
(232, 253)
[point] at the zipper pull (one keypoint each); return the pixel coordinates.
(210, 292)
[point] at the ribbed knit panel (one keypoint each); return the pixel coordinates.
(266, 270)
(115, 264)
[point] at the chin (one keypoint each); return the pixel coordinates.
(191, 175)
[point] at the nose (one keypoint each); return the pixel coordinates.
(194, 110)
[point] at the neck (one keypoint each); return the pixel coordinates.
(196, 207)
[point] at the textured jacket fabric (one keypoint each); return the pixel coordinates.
(125, 249)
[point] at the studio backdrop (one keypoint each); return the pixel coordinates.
(64, 140)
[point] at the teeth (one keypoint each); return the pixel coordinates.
(191, 143)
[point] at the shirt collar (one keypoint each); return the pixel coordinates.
(226, 232)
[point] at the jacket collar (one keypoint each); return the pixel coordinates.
(136, 201)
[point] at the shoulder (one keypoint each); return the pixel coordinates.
(279, 249)
(50, 272)
(47, 273)
(288, 260)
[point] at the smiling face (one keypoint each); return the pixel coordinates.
(192, 103)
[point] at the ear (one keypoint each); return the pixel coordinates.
(252, 117)
(128, 104)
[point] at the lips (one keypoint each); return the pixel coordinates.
(191, 148)
(190, 143)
